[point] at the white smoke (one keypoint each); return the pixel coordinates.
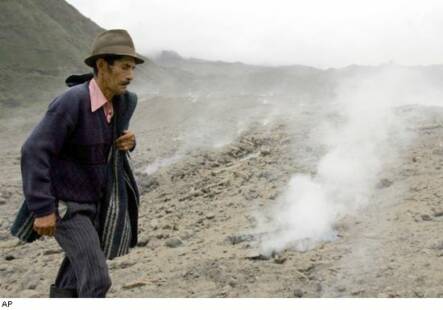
(362, 133)
(160, 163)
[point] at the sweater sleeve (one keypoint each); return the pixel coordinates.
(44, 143)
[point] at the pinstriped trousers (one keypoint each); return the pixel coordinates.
(84, 266)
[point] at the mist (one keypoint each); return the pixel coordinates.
(316, 33)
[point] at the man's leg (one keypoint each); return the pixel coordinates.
(78, 237)
(65, 283)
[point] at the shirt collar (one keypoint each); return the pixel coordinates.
(96, 95)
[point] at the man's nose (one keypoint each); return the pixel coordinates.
(130, 75)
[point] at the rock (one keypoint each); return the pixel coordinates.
(272, 196)
(250, 195)
(154, 244)
(257, 256)
(53, 251)
(232, 282)
(225, 291)
(147, 184)
(2, 201)
(438, 246)
(9, 257)
(357, 292)
(298, 293)
(384, 183)
(185, 235)
(265, 152)
(143, 241)
(29, 293)
(236, 239)
(279, 259)
(125, 264)
(4, 236)
(341, 288)
(8, 193)
(6, 244)
(133, 285)
(31, 282)
(162, 236)
(154, 224)
(438, 213)
(419, 294)
(193, 273)
(167, 227)
(265, 175)
(415, 189)
(426, 217)
(307, 268)
(210, 216)
(173, 243)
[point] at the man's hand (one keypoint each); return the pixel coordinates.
(45, 225)
(126, 141)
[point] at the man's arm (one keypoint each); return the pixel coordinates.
(44, 143)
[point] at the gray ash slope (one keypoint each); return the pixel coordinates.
(41, 42)
(198, 233)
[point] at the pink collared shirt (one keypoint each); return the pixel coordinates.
(99, 100)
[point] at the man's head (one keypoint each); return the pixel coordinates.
(113, 59)
(114, 72)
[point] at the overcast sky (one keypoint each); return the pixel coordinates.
(320, 33)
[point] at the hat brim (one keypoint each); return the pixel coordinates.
(90, 61)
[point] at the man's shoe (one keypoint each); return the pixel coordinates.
(55, 292)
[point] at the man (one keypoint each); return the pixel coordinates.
(72, 157)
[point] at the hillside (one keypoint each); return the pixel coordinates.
(40, 43)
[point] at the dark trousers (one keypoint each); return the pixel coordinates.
(84, 267)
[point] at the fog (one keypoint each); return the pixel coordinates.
(317, 33)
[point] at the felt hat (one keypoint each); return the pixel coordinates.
(113, 42)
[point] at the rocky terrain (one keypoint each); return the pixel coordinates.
(200, 200)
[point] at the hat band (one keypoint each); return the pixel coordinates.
(115, 49)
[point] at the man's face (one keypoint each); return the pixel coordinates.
(118, 75)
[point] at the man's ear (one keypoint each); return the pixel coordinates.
(101, 64)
